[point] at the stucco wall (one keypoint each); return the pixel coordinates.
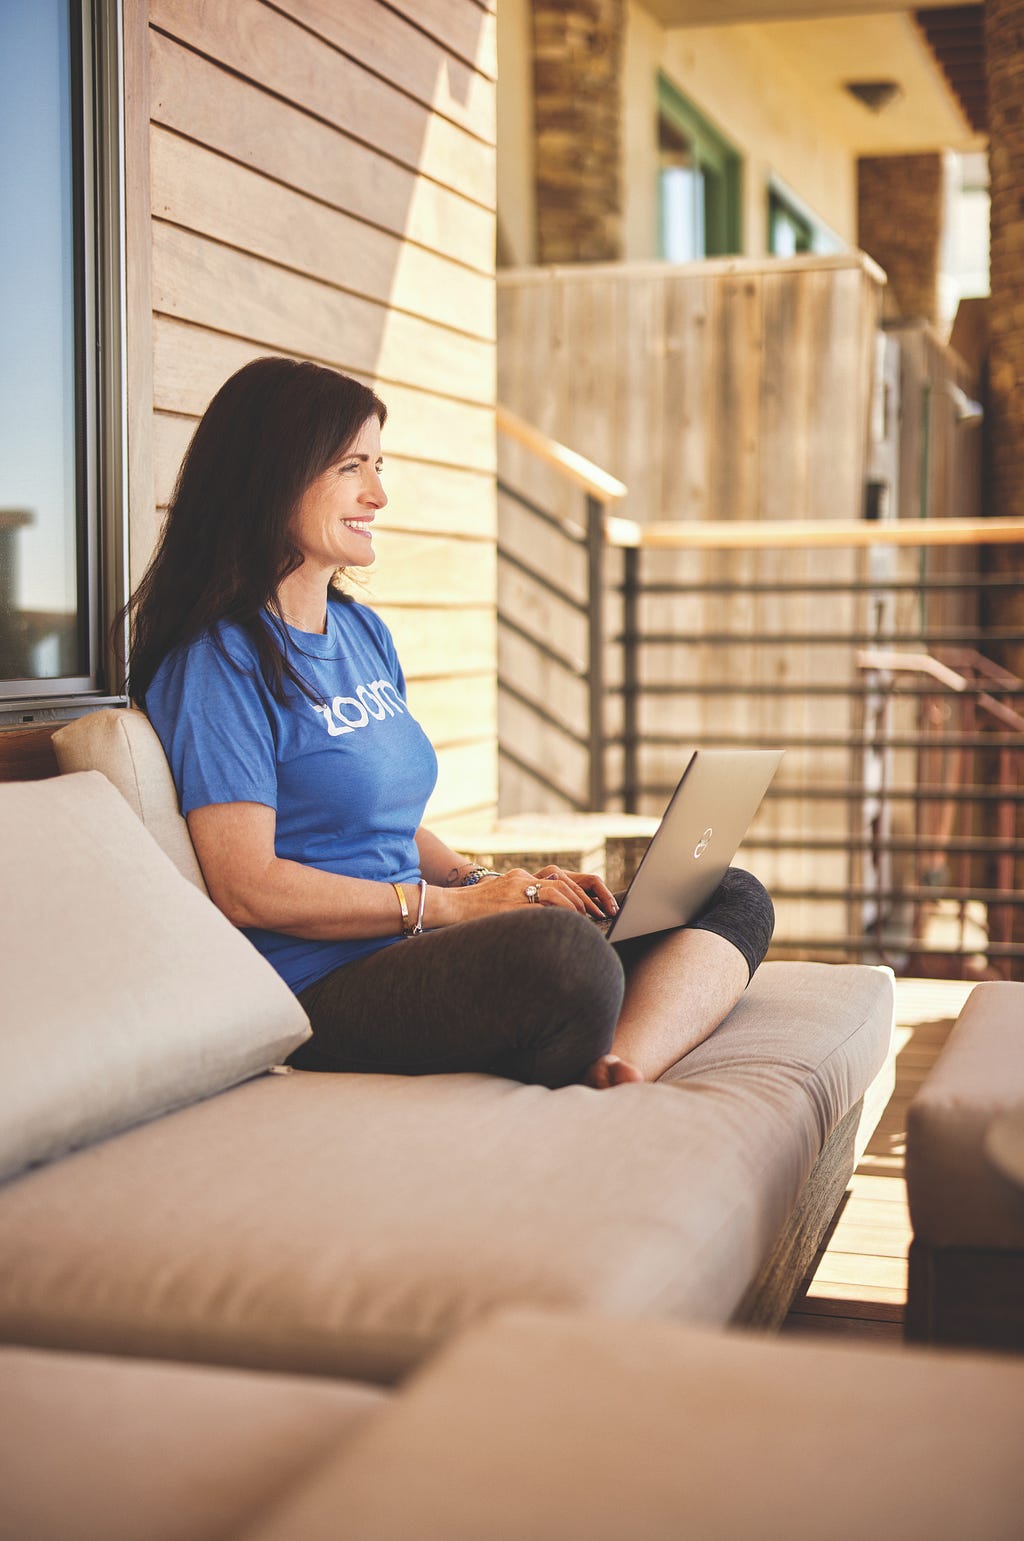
(751, 92)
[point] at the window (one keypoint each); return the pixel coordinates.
(61, 410)
(793, 228)
(699, 183)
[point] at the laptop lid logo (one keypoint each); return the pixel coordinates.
(702, 844)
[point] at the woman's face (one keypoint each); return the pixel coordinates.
(333, 523)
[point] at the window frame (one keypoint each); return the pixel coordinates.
(823, 240)
(100, 437)
(713, 154)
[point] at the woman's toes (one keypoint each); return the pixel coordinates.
(610, 1070)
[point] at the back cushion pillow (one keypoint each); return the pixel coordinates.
(124, 992)
(122, 743)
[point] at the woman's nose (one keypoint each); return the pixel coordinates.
(374, 492)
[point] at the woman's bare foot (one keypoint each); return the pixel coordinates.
(610, 1070)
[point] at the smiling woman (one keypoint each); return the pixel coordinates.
(304, 777)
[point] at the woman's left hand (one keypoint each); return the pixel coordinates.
(585, 891)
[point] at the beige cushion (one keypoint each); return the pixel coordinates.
(561, 1429)
(349, 1224)
(123, 746)
(958, 1195)
(116, 1450)
(125, 992)
(815, 1032)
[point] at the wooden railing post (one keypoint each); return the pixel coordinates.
(631, 678)
(595, 652)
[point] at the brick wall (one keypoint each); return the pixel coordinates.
(578, 48)
(899, 223)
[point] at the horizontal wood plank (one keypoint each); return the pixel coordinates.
(270, 50)
(192, 362)
(851, 1268)
(467, 781)
(889, 1309)
(204, 191)
(454, 711)
(413, 568)
(449, 642)
(473, 37)
(834, 1291)
(809, 1324)
(196, 97)
(413, 58)
(199, 280)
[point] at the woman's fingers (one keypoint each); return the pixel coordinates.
(550, 886)
(592, 895)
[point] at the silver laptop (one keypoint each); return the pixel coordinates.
(710, 811)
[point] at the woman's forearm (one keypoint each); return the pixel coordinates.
(439, 864)
(255, 888)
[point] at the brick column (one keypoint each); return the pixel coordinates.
(1004, 38)
(1004, 425)
(578, 55)
(899, 223)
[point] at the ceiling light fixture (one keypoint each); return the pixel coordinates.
(875, 95)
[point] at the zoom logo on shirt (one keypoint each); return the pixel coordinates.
(378, 699)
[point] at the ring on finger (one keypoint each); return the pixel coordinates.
(532, 894)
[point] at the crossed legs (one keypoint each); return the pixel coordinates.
(681, 984)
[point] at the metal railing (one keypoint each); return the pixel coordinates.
(891, 832)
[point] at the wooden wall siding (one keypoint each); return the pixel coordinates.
(322, 181)
(724, 390)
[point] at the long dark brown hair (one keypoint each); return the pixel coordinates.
(269, 432)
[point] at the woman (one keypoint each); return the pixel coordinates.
(280, 703)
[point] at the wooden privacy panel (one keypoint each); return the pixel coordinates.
(322, 183)
(716, 391)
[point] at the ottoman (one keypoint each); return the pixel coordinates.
(964, 1183)
(545, 1427)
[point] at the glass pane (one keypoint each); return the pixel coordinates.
(39, 557)
(682, 213)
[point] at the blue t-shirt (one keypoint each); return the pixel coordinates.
(348, 778)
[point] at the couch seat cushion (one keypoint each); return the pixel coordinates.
(571, 1429)
(114, 1449)
(348, 1224)
(959, 1196)
(125, 991)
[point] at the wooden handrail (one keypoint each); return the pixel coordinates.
(924, 663)
(729, 534)
(598, 483)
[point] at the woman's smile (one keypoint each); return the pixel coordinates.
(332, 524)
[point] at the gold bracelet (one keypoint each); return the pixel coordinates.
(406, 927)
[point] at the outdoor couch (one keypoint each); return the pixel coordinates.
(168, 1196)
(528, 1427)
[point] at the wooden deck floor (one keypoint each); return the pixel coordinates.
(859, 1284)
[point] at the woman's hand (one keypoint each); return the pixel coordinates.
(586, 891)
(583, 892)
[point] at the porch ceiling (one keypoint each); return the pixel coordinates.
(822, 55)
(703, 13)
